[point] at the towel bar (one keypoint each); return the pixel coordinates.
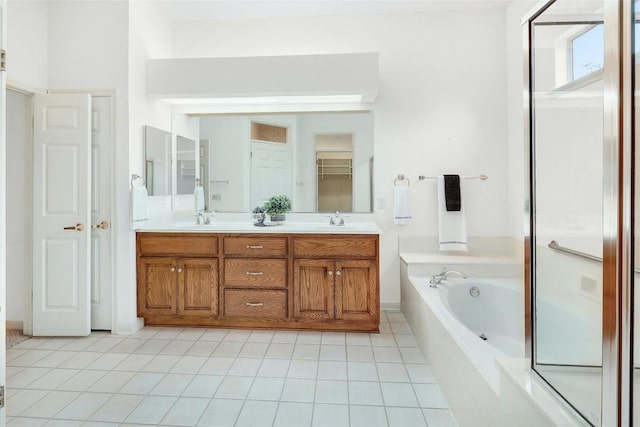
(480, 177)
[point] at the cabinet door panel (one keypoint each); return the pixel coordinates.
(198, 285)
(157, 286)
(313, 290)
(356, 290)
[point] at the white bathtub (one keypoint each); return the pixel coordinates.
(447, 322)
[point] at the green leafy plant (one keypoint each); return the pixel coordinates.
(277, 205)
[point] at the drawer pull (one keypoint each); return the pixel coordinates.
(254, 273)
(255, 247)
(254, 304)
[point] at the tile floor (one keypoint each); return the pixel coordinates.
(220, 377)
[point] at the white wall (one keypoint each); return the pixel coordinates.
(17, 209)
(27, 32)
(440, 109)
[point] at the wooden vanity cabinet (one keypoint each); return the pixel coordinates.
(177, 278)
(287, 281)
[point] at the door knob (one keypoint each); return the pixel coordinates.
(103, 225)
(77, 227)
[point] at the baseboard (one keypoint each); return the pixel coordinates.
(390, 306)
(14, 324)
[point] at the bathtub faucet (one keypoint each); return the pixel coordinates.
(437, 278)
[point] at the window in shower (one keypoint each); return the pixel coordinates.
(587, 52)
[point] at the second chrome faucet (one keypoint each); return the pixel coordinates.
(437, 278)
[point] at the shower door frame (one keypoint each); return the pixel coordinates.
(618, 209)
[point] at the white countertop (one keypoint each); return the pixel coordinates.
(248, 227)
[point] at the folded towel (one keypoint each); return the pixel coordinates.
(139, 209)
(401, 211)
(199, 198)
(452, 192)
(452, 226)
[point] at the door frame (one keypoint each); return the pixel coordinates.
(112, 213)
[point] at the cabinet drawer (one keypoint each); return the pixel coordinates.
(334, 247)
(263, 273)
(255, 303)
(258, 246)
(180, 245)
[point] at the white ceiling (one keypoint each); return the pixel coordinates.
(193, 10)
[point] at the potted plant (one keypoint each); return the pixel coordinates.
(258, 216)
(277, 206)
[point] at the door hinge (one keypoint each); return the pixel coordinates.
(3, 60)
(1, 397)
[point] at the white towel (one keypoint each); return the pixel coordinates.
(139, 209)
(198, 194)
(452, 225)
(401, 211)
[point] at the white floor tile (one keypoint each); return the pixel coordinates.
(53, 379)
(245, 367)
(83, 406)
(17, 402)
(329, 415)
(128, 345)
(306, 351)
(309, 337)
(26, 377)
(254, 349)
(217, 365)
(177, 347)
(367, 416)
(111, 382)
(191, 334)
(152, 346)
(141, 383)
(392, 372)
(134, 362)
(168, 333)
(412, 355)
(400, 328)
(280, 351)
(274, 368)
(237, 336)
(161, 363)
(117, 408)
(186, 411)
(420, 373)
(439, 418)
(104, 345)
(80, 360)
(79, 344)
(332, 370)
(383, 340)
(365, 393)
(228, 348)
(303, 369)
(398, 394)
(55, 359)
(203, 386)
(333, 338)
(29, 358)
(27, 422)
(146, 332)
(82, 380)
(385, 328)
(63, 423)
(266, 389)
(387, 354)
(359, 354)
(261, 336)
(172, 385)
(107, 361)
(406, 340)
(430, 396)
(358, 339)
(403, 417)
(234, 387)
(285, 337)
(332, 391)
(12, 370)
(298, 390)
(202, 348)
(221, 413)
(333, 352)
(214, 334)
(294, 414)
(396, 316)
(257, 414)
(12, 353)
(50, 404)
(188, 365)
(362, 371)
(151, 410)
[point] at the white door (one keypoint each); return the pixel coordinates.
(101, 147)
(270, 171)
(3, 205)
(61, 215)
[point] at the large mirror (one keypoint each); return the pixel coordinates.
(158, 158)
(322, 161)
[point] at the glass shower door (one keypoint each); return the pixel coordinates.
(566, 117)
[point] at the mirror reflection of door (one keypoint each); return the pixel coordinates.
(271, 162)
(334, 164)
(185, 165)
(204, 171)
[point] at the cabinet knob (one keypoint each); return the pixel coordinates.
(179, 270)
(338, 273)
(173, 269)
(330, 273)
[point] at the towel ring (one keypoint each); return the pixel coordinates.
(401, 178)
(134, 177)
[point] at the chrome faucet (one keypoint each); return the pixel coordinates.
(336, 219)
(437, 278)
(201, 218)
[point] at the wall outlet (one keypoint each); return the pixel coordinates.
(217, 197)
(381, 203)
